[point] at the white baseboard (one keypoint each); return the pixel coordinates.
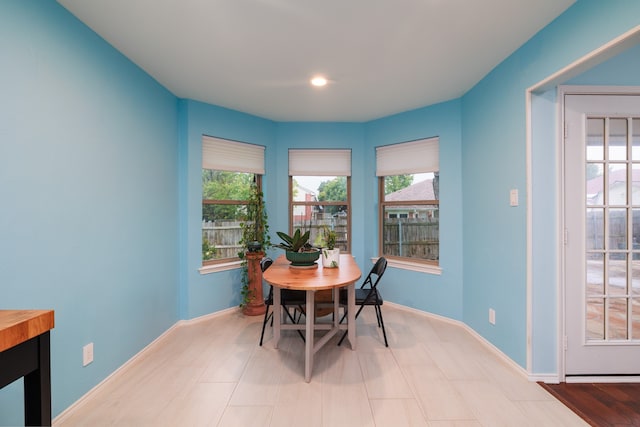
(207, 316)
(495, 350)
(604, 379)
(545, 378)
(121, 370)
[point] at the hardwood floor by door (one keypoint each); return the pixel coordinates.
(211, 372)
(601, 405)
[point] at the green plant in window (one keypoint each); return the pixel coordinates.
(299, 242)
(255, 236)
(329, 237)
(208, 251)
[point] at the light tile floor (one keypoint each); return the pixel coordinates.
(213, 373)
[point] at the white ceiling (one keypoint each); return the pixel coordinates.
(382, 56)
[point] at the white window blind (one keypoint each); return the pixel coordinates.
(225, 155)
(418, 156)
(320, 162)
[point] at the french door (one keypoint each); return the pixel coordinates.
(602, 235)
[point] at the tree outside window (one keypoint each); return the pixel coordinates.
(319, 201)
(224, 204)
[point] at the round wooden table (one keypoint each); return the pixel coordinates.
(316, 278)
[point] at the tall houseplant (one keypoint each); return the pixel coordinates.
(253, 242)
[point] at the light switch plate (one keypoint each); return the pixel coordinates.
(513, 197)
(87, 354)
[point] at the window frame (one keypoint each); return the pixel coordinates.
(293, 204)
(208, 264)
(382, 203)
(409, 157)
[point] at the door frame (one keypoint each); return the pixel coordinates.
(562, 308)
(554, 81)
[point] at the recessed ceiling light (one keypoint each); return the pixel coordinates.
(319, 81)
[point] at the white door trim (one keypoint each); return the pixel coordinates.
(601, 54)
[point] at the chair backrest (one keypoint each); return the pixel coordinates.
(265, 263)
(378, 270)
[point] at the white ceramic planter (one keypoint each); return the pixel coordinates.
(331, 258)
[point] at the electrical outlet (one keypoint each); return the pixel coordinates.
(492, 316)
(87, 354)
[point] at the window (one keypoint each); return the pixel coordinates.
(409, 215)
(319, 193)
(229, 170)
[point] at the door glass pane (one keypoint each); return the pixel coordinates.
(595, 139)
(617, 229)
(635, 138)
(635, 233)
(617, 274)
(595, 319)
(595, 229)
(635, 184)
(635, 279)
(617, 314)
(635, 318)
(617, 139)
(595, 184)
(617, 188)
(595, 274)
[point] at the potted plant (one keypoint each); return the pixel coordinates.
(255, 228)
(297, 248)
(330, 254)
(255, 239)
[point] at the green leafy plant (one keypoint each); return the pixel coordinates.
(255, 236)
(255, 227)
(329, 236)
(299, 242)
(208, 251)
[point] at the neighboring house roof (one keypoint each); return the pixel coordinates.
(303, 191)
(595, 185)
(422, 190)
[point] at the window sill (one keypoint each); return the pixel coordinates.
(214, 268)
(413, 266)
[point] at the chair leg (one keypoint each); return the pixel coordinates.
(384, 333)
(264, 323)
(380, 324)
(378, 314)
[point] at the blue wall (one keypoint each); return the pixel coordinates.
(203, 294)
(493, 161)
(440, 294)
(100, 174)
(89, 186)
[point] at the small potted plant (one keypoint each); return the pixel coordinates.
(297, 248)
(330, 254)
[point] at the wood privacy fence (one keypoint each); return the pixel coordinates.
(617, 224)
(414, 238)
(224, 236)
(411, 237)
(339, 225)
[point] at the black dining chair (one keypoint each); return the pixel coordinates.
(288, 298)
(368, 294)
